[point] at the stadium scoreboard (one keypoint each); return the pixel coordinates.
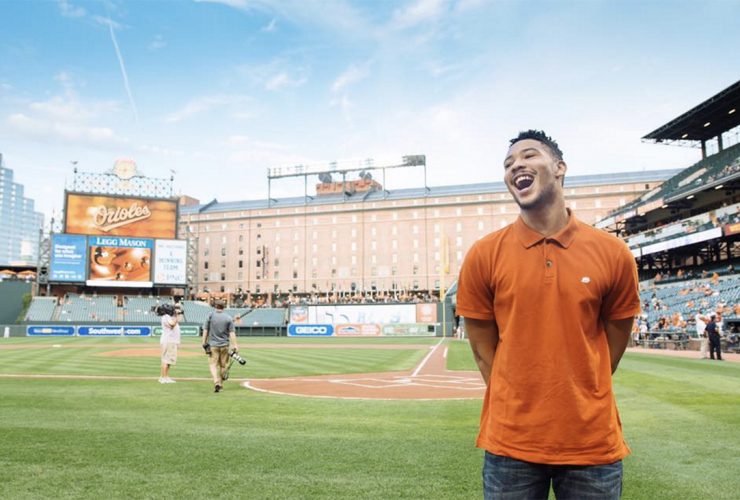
(116, 241)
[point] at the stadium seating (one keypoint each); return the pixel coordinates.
(266, 317)
(714, 168)
(41, 309)
(139, 309)
(235, 312)
(85, 309)
(196, 311)
(687, 298)
(722, 165)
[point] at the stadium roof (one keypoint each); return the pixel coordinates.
(709, 119)
(410, 193)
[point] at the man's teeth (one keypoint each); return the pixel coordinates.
(523, 181)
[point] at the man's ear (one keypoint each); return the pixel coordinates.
(560, 168)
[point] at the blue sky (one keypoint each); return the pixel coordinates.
(220, 90)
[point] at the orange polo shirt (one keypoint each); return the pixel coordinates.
(550, 397)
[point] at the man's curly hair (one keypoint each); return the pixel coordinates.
(540, 136)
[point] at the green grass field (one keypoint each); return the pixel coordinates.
(134, 438)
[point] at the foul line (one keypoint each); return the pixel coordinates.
(248, 385)
(424, 361)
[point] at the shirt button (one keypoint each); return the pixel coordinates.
(548, 263)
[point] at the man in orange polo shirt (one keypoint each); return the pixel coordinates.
(548, 303)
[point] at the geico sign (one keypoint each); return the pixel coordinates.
(311, 330)
(321, 330)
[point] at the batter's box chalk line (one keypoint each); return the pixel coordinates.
(435, 382)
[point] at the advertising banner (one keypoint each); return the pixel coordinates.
(120, 216)
(68, 258)
(408, 330)
(298, 314)
(114, 331)
(730, 229)
(426, 313)
(50, 330)
(362, 314)
(360, 330)
(170, 262)
(310, 330)
(119, 261)
(688, 239)
(185, 331)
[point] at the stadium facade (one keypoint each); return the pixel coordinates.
(20, 223)
(381, 240)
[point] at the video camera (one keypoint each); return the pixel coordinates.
(166, 308)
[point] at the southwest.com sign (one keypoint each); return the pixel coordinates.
(302, 330)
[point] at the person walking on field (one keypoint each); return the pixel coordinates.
(548, 303)
(220, 336)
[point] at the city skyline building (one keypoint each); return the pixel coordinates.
(20, 223)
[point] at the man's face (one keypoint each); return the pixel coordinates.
(532, 174)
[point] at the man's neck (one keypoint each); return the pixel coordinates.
(546, 220)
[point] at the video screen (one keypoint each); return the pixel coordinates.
(120, 216)
(120, 261)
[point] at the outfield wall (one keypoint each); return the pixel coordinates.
(366, 320)
(11, 299)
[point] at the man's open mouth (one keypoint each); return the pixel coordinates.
(523, 181)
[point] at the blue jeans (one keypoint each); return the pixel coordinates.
(506, 478)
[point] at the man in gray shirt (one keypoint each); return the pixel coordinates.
(219, 334)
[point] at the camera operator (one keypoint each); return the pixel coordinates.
(169, 340)
(217, 335)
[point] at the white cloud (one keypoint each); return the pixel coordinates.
(204, 104)
(69, 107)
(108, 22)
(65, 117)
(283, 80)
(275, 74)
(43, 129)
(246, 141)
(466, 5)
(343, 102)
(237, 4)
(269, 28)
(350, 76)
(417, 13)
(69, 10)
(330, 15)
(161, 150)
(158, 43)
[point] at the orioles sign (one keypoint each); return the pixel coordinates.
(114, 216)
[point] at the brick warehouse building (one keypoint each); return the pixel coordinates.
(407, 239)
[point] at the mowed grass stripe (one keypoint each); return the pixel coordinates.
(261, 363)
(270, 363)
(677, 453)
(134, 439)
(680, 418)
(714, 395)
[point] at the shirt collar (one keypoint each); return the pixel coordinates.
(528, 237)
